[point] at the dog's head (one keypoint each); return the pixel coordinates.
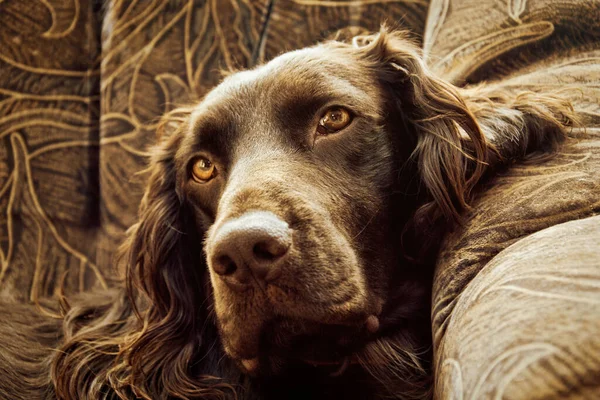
(280, 199)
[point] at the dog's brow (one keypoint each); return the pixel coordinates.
(343, 89)
(306, 95)
(209, 133)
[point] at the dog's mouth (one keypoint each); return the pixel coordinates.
(270, 328)
(285, 342)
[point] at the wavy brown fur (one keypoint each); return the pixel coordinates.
(135, 349)
(156, 336)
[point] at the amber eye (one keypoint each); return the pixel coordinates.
(334, 119)
(203, 170)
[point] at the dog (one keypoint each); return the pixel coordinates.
(287, 236)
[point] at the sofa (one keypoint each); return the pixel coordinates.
(516, 294)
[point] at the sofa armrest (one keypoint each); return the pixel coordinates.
(526, 327)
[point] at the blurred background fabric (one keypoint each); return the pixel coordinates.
(516, 301)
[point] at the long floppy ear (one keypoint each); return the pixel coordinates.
(154, 248)
(459, 133)
(450, 148)
(166, 283)
(143, 344)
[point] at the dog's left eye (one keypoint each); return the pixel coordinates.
(203, 170)
(333, 120)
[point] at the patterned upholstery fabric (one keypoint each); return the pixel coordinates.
(522, 322)
(516, 306)
(526, 327)
(49, 112)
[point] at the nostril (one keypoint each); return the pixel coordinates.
(268, 251)
(225, 265)
(262, 253)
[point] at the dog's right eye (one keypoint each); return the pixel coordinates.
(334, 119)
(203, 170)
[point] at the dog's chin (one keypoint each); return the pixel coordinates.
(289, 343)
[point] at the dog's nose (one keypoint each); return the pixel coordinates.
(255, 244)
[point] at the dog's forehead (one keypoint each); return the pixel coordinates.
(294, 74)
(308, 64)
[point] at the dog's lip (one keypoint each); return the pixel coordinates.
(251, 363)
(240, 353)
(254, 366)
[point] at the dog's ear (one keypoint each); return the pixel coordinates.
(154, 249)
(449, 146)
(166, 279)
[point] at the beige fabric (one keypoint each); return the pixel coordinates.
(523, 325)
(526, 327)
(49, 77)
(299, 23)
(525, 200)
(474, 40)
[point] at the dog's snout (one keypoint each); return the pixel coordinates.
(255, 243)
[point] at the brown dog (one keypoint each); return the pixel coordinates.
(288, 234)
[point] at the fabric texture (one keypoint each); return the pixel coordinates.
(536, 334)
(49, 113)
(82, 85)
(526, 327)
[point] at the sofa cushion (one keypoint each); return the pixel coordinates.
(49, 82)
(526, 327)
(304, 22)
(545, 45)
(475, 40)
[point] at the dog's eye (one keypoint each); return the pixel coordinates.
(203, 170)
(334, 119)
